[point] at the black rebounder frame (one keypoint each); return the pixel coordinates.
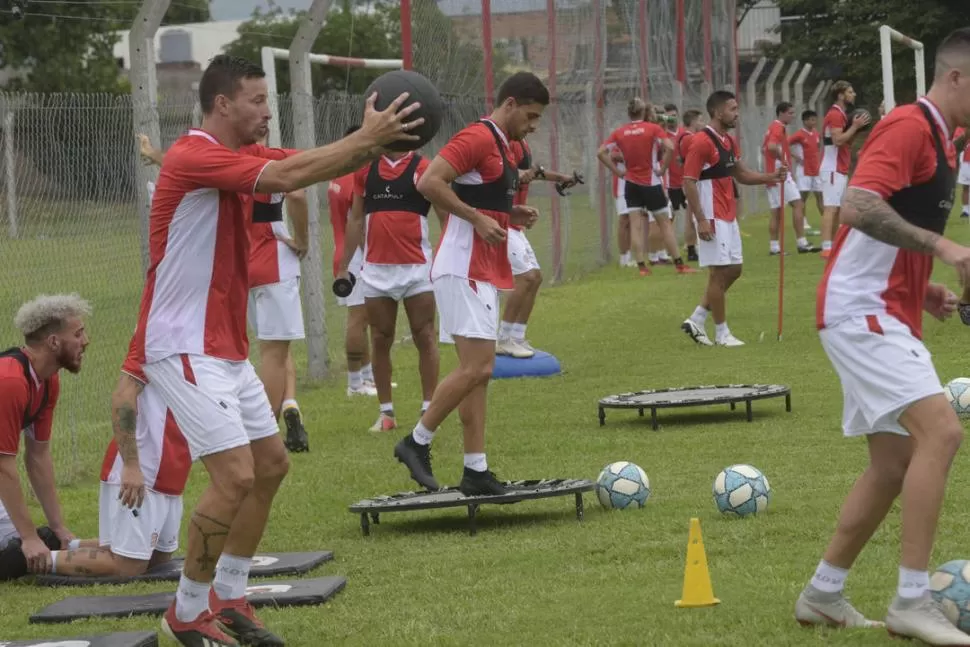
(655, 399)
(370, 509)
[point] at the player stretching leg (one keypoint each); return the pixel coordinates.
(804, 145)
(713, 163)
(869, 314)
(776, 149)
(390, 216)
(838, 133)
(474, 179)
(191, 333)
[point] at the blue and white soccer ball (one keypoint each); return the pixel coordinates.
(950, 586)
(741, 490)
(621, 484)
(958, 393)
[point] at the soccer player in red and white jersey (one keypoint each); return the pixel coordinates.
(640, 141)
(54, 339)
(838, 133)
(870, 307)
(713, 164)
(389, 220)
(191, 335)
(775, 149)
(474, 178)
(694, 121)
(675, 175)
(807, 157)
(962, 143)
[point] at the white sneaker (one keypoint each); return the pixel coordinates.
(729, 340)
(384, 423)
(816, 607)
(512, 348)
(366, 388)
(695, 332)
(923, 618)
(524, 343)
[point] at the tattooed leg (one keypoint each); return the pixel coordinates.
(97, 562)
(271, 465)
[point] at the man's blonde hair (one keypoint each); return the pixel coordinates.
(47, 313)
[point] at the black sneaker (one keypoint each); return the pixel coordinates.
(481, 484)
(239, 620)
(417, 458)
(810, 249)
(296, 438)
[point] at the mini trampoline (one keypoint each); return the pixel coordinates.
(694, 396)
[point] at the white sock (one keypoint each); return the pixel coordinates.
(828, 578)
(476, 462)
(966, 209)
(289, 403)
(232, 576)
(802, 242)
(367, 372)
(504, 330)
(518, 332)
(354, 379)
(700, 316)
(421, 434)
(54, 561)
(664, 256)
(387, 407)
(912, 583)
(721, 330)
(775, 246)
(625, 257)
(826, 244)
(191, 599)
(424, 406)
(74, 544)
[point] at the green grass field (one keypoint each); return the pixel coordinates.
(533, 575)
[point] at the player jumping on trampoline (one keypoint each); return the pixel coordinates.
(870, 307)
(54, 339)
(191, 334)
(474, 178)
(389, 221)
(713, 163)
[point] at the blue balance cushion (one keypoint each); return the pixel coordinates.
(539, 365)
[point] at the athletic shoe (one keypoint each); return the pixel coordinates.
(810, 249)
(239, 619)
(645, 271)
(923, 618)
(512, 348)
(695, 332)
(964, 310)
(729, 341)
(964, 214)
(371, 383)
(384, 423)
(296, 437)
(816, 607)
(778, 253)
(686, 269)
(825, 253)
(366, 388)
(481, 484)
(204, 631)
(523, 343)
(417, 458)
(13, 564)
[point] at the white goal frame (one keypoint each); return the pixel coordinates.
(269, 56)
(887, 36)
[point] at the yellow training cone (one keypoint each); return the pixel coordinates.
(698, 591)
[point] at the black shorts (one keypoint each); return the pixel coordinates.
(645, 198)
(677, 199)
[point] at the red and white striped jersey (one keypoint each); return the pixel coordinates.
(197, 286)
(270, 259)
(340, 197)
(835, 158)
(163, 452)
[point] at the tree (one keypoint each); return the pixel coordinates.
(841, 39)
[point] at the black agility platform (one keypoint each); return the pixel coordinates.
(284, 593)
(264, 565)
(693, 396)
(128, 639)
(371, 509)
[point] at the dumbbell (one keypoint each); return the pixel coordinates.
(343, 287)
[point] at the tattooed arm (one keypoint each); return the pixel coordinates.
(124, 415)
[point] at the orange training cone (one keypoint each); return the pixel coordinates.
(698, 591)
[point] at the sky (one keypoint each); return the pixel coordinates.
(243, 9)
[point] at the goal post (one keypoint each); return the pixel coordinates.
(270, 55)
(888, 36)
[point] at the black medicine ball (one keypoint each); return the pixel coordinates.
(391, 85)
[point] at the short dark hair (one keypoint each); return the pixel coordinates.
(690, 116)
(784, 106)
(957, 42)
(808, 114)
(352, 129)
(670, 107)
(524, 88)
(717, 99)
(222, 76)
(838, 88)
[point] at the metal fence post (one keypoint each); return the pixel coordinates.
(786, 82)
(800, 86)
(9, 111)
(770, 84)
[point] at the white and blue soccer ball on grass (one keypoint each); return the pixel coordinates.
(621, 484)
(950, 586)
(741, 490)
(958, 393)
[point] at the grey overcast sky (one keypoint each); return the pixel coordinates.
(243, 9)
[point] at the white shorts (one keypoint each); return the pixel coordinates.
(621, 208)
(355, 298)
(792, 194)
(882, 373)
(521, 255)
(833, 188)
(464, 310)
(275, 310)
(964, 176)
(156, 526)
(396, 282)
(217, 404)
(810, 184)
(724, 248)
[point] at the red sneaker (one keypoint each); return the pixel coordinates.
(645, 271)
(686, 269)
(204, 631)
(239, 619)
